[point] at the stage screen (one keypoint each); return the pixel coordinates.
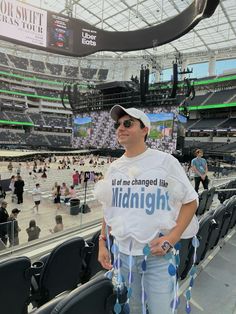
(182, 118)
(82, 127)
(161, 125)
(97, 130)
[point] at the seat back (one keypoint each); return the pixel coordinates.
(15, 278)
(229, 208)
(233, 216)
(185, 255)
(62, 269)
(218, 217)
(203, 235)
(91, 260)
(92, 297)
(210, 197)
(202, 203)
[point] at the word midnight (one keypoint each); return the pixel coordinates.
(143, 200)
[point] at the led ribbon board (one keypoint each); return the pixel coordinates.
(60, 34)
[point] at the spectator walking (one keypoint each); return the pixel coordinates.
(36, 197)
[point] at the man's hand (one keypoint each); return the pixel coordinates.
(157, 247)
(104, 258)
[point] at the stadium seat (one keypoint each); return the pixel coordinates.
(220, 214)
(206, 225)
(230, 207)
(93, 297)
(233, 217)
(210, 197)
(15, 278)
(92, 266)
(202, 203)
(223, 195)
(61, 272)
(185, 253)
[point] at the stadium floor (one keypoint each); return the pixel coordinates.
(45, 219)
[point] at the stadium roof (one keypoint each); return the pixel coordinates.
(210, 35)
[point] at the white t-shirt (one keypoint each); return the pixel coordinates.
(36, 194)
(146, 193)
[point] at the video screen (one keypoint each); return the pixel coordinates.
(97, 130)
(161, 125)
(82, 127)
(60, 33)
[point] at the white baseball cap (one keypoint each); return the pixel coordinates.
(118, 111)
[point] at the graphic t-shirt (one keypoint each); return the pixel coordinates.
(146, 193)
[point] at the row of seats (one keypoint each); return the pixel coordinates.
(55, 69)
(69, 264)
(225, 192)
(205, 201)
(213, 225)
(63, 281)
(230, 188)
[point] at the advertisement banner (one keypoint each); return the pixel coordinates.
(23, 22)
(27, 25)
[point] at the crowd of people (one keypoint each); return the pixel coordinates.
(9, 227)
(37, 174)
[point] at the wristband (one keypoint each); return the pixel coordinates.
(102, 237)
(166, 246)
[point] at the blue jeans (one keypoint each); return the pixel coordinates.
(158, 284)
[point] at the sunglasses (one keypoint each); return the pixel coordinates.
(126, 123)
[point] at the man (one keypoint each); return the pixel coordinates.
(149, 201)
(13, 228)
(19, 189)
(200, 169)
(3, 222)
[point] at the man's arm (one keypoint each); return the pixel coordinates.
(186, 214)
(194, 169)
(103, 254)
